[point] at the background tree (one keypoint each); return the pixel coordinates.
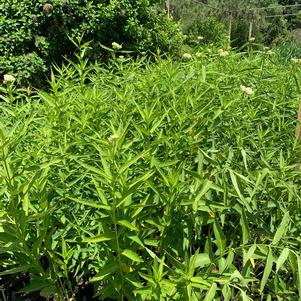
(36, 34)
(196, 17)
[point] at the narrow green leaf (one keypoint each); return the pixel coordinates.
(141, 179)
(211, 293)
(282, 258)
(128, 225)
(236, 187)
(25, 199)
(220, 237)
(189, 290)
(299, 275)
(205, 188)
(192, 264)
(157, 123)
(245, 227)
(226, 291)
(267, 270)
(132, 255)
(202, 260)
(244, 296)
(293, 262)
(94, 170)
(136, 239)
(90, 203)
(24, 268)
(106, 167)
(96, 239)
(151, 242)
(249, 254)
(281, 229)
(161, 268)
(147, 278)
(200, 280)
(269, 298)
(131, 162)
(244, 157)
(145, 291)
(151, 253)
(100, 192)
(203, 78)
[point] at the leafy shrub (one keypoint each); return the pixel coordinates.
(163, 181)
(36, 34)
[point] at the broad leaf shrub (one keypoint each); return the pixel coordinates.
(155, 181)
(36, 34)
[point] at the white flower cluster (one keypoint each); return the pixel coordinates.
(8, 78)
(223, 53)
(186, 56)
(296, 61)
(246, 90)
(113, 138)
(116, 46)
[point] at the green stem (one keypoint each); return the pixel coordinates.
(6, 169)
(118, 248)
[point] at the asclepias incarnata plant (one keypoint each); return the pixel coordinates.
(154, 181)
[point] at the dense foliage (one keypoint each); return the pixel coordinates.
(162, 181)
(36, 34)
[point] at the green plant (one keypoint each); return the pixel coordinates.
(158, 181)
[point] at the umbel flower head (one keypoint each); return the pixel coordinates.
(116, 46)
(8, 78)
(246, 90)
(186, 56)
(296, 61)
(47, 8)
(223, 53)
(113, 138)
(252, 39)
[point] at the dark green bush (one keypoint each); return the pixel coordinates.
(35, 34)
